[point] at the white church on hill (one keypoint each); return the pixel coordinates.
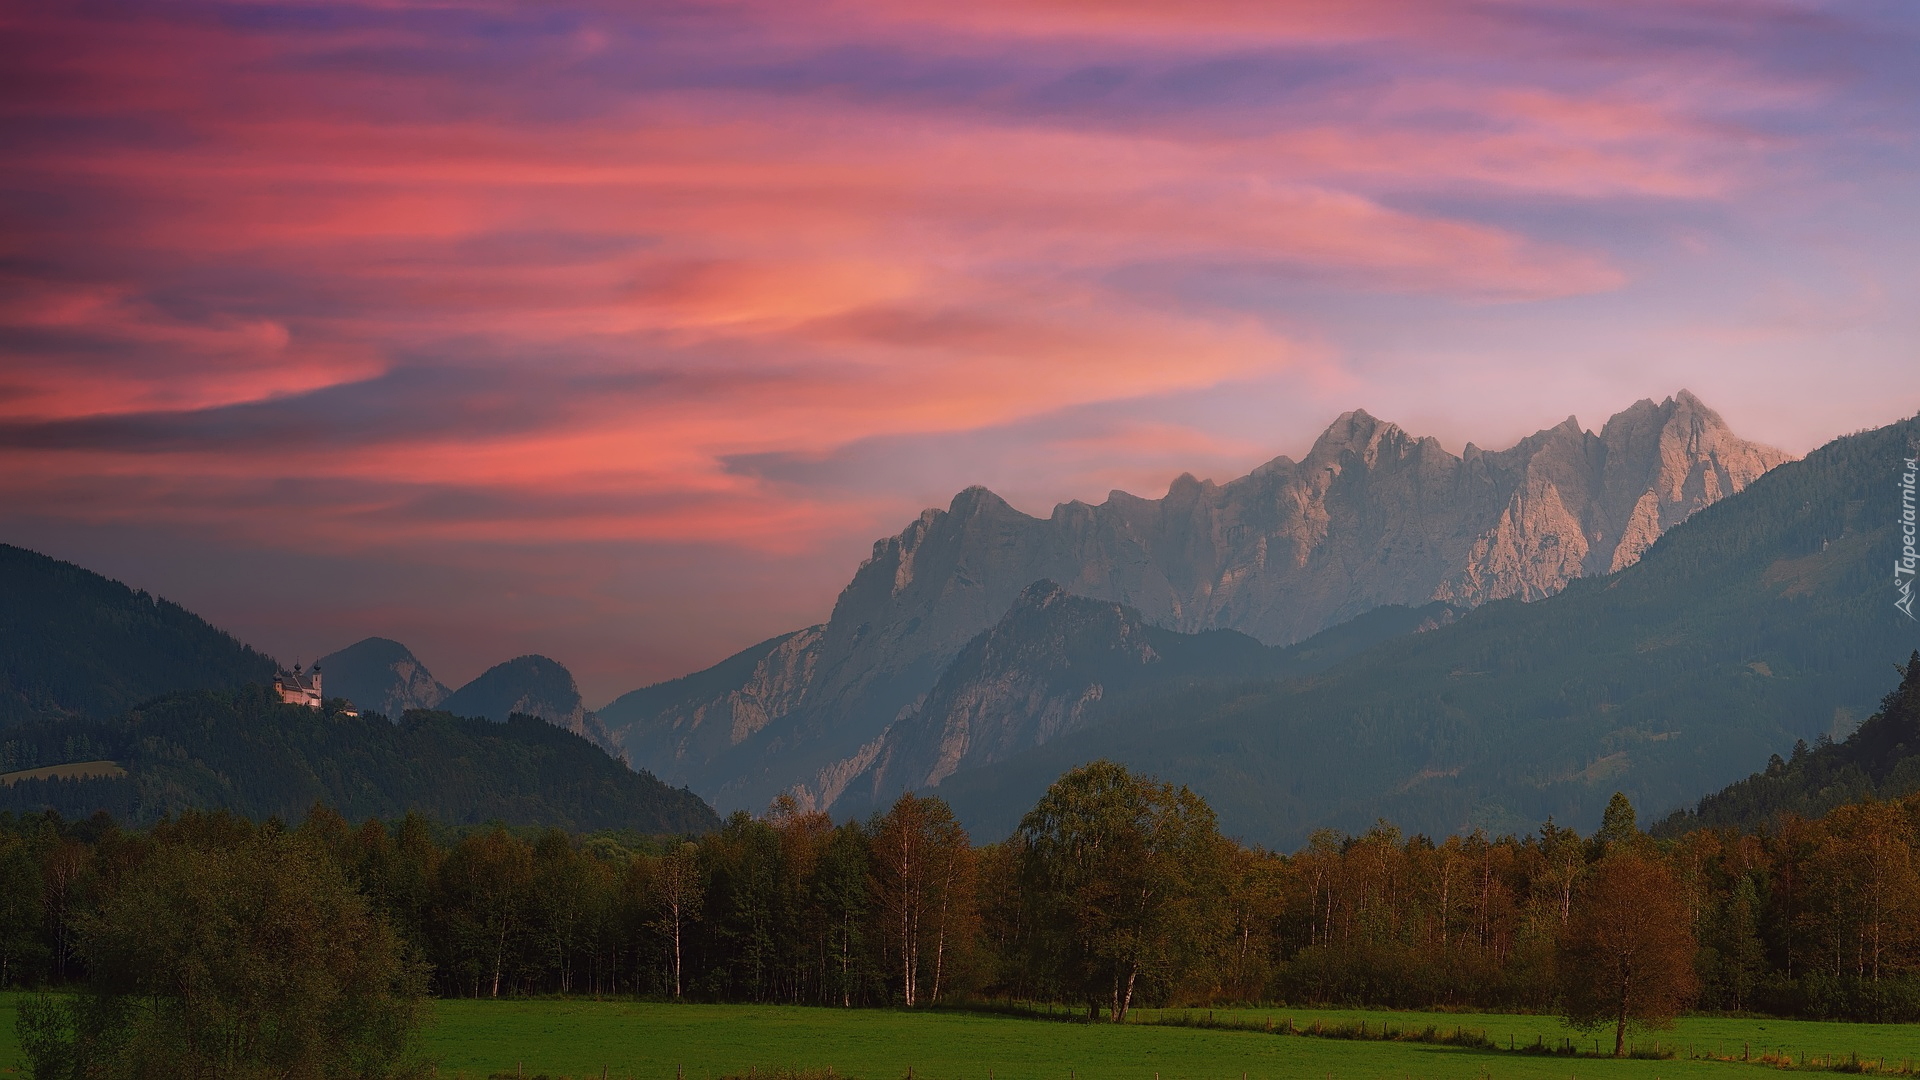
(303, 688)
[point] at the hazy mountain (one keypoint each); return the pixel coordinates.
(1056, 664)
(1371, 516)
(380, 675)
(243, 751)
(73, 643)
(1764, 619)
(533, 685)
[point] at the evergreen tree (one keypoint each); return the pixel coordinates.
(1619, 825)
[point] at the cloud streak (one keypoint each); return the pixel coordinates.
(402, 280)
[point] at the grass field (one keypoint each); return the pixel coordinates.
(654, 1041)
(577, 1038)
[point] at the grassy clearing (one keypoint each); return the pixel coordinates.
(78, 770)
(651, 1041)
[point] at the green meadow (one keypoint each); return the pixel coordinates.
(578, 1038)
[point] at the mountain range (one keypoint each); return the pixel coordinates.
(1379, 629)
(1764, 619)
(382, 675)
(1371, 516)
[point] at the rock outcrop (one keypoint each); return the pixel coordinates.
(1371, 516)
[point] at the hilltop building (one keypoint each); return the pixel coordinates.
(298, 687)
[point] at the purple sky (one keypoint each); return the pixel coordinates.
(617, 332)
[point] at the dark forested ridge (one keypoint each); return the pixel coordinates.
(74, 643)
(1880, 760)
(1764, 619)
(244, 751)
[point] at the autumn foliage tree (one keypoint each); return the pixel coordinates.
(1627, 951)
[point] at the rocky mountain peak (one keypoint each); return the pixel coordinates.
(1359, 433)
(1371, 517)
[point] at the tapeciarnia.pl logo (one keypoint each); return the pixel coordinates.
(1904, 566)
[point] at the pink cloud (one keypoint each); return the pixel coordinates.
(461, 287)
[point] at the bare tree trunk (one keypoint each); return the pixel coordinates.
(846, 992)
(675, 904)
(940, 943)
(499, 954)
(1124, 996)
(907, 929)
(1620, 1027)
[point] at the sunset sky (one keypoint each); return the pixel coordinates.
(618, 331)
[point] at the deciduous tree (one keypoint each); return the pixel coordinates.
(1626, 955)
(249, 959)
(1125, 877)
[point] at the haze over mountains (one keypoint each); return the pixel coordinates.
(1371, 516)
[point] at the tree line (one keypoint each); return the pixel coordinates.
(1116, 891)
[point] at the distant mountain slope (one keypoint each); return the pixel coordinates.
(1371, 516)
(1765, 618)
(244, 751)
(533, 685)
(380, 675)
(678, 728)
(74, 643)
(1056, 664)
(1880, 760)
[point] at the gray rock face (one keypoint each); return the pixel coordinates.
(1371, 516)
(380, 675)
(680, 726)
(533, 685)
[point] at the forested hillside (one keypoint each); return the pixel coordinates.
(246, 752)
(1764, 619)
(1880, 760)
(1058, 663)
(73, 643)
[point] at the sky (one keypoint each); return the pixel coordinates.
(617, 332)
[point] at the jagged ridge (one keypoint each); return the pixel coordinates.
(1371, 516)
